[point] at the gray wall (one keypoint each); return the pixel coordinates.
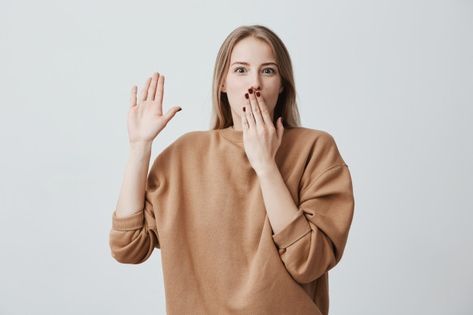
(392, 81)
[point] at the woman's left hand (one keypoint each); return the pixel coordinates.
(260, 138)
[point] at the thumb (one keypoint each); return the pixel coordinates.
(171, 112)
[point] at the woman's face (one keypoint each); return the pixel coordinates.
(252, 65)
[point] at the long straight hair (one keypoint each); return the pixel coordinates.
(286, 105)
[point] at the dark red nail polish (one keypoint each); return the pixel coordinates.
(247, 96)
(244, 109)
(250, 90)
(258, 94)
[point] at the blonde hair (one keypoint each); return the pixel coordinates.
(286, 105)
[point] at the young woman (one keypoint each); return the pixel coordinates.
(250, 215)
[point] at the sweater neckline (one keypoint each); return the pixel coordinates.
(235, 136)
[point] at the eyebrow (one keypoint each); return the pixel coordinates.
(246, 63)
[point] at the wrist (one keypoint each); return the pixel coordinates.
(138, 145)
(141, 148)
(268, 170)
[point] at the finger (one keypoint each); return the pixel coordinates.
(249, 113)
(244, 122)
(264, 109)
(144, 91)
(256, 110)
(152, 87)
(133, 96)
(171, 112)
(160, 92)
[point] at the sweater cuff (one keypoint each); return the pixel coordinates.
(129, 223)
(293, 231)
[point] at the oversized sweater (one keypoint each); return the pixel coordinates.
(204, 211)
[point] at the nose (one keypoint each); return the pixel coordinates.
(255, 83)
(255, 87)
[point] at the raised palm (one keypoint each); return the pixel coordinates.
(145, 118)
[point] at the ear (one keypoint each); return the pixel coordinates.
(223, 89)
(281, 89)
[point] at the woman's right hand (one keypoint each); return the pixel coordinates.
(145, 118)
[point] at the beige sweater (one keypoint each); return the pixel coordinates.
(204, 210)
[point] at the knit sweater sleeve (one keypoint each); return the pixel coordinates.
(314, 241)
(133, 238)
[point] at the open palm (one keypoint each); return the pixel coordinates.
(145, 118)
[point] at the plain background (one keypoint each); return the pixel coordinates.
(392, 81)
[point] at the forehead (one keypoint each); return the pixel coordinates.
(251, 50)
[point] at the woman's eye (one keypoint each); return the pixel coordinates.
(241, 68)
(272, 70)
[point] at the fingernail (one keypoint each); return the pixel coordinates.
(258, 94)
(247, 96)
(179, 109)
(244, 109)
(250, 90)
